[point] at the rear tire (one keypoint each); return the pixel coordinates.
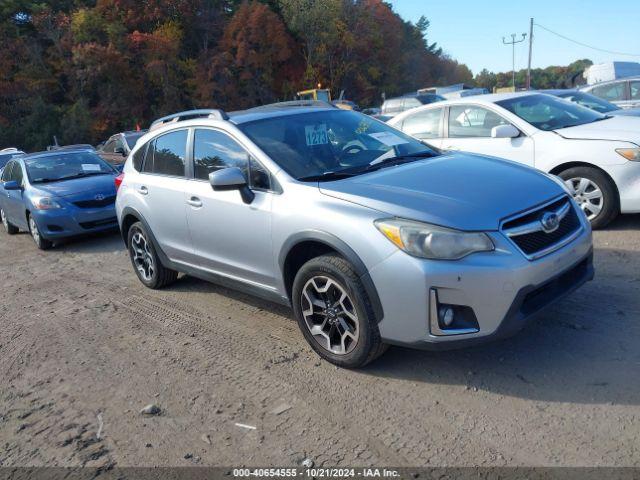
(145, 260)
(41, 242)
(595, 194)
(334, 312)
(8, 227)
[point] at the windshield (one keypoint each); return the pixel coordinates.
(589, 101)
(322, 143)
(132, 138)
(549, 113)
(65, 166)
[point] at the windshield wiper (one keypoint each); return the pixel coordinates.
(326, 176)
(396, 158)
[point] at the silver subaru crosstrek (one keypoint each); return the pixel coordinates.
(373, 237)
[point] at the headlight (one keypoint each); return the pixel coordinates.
(45, 203)
(430, 241)
(632, 154)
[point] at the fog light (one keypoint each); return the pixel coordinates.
(446, 316)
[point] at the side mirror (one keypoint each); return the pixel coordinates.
(119, 150)
(505, 131)
(231, 178)
(12, 185)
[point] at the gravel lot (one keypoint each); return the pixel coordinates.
(84, 346)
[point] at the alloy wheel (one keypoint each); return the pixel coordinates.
(142, 256)
(35, 233)
(330, 315)
(587, 194)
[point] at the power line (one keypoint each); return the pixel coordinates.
(585, 45)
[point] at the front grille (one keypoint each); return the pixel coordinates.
(106, 201)
(99, 223)
(528, 234)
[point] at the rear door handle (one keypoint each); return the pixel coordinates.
(143, 190)
(195, 202)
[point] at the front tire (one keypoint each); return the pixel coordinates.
(41, 242)
(145, 260)
(8, 227)
(334, 312)
(594, 193)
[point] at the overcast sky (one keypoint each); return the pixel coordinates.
(472, 31)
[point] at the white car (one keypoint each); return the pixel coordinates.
(597, 156)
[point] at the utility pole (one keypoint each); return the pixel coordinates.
(513, 54)
(530, 51)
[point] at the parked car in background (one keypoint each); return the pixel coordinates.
(597, 156)
(372, 237)
(58, 194)
(346, 105)
(624, 92)
(594, 103)
(393, 106)
(7, 154)
(116, 149)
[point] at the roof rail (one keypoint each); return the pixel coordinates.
(212, 113)
(296, 103)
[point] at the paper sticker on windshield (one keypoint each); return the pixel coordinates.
(316, 134)
(91, 167)
(388, 138)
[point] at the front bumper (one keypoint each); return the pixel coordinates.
(70, 222)
(627, 179)
(502, 288)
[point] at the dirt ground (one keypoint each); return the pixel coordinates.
(84, 346)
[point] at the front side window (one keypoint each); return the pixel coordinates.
(635, 90)
(423, 124)
(326, 143)
(472, 121)
(167, 153)
(612, 93)
(6, 173)
(110, 146)
(549, 113)
(214, 150)
(65, 166)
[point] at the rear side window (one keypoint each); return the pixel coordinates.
(213, 150)
(167, 153)
(424, 124)
(635, 90)
(138, 158)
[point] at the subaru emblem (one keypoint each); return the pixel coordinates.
(550, 222)
(99, 197)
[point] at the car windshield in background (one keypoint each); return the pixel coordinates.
(65, 166)
(132, 138)
(549, 113)
(310, 146)
(590, 101)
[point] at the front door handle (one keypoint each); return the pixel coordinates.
(195, 202)
(143, 190)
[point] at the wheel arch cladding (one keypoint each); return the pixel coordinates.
(303, 246)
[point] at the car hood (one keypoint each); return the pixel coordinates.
(617, 128)
(458, 190)
(103, 184)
